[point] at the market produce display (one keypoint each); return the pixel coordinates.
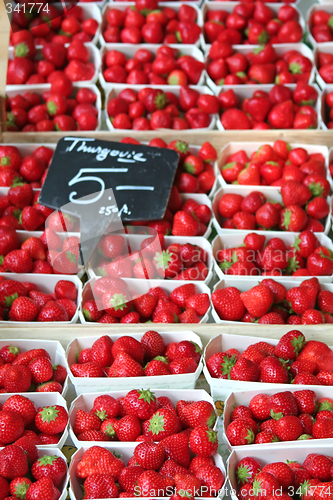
(283, 416)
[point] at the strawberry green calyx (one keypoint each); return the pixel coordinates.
(227, 166)
(256, 487)
(160, 101)
(316, 188)
(227, 264)
(181, 147)
(227, 364)
(118, 302)
(163, 259)
(109, 431)
(329, 256)
(258, 49)
(178, 36)
(287, 219)
(325, 405)
(5, 161)
(46, 460)
(2, 258)
(49, 414)
(330, 22)
(102, 415)
(250, 436)
(297, 243)
(212, 419)
(197, 348)
(297, 343)
(212, 436)
(52, 108)
(9, 299)
(184, 493)
(305, 488)
(147, 395)
(156, 424)
(21, 489)
(86, 314)
(243, 474)
(276, 416)
(13, 350)
(295, 68)
(263, 37)
(304, 437)
(21, 50)
(10, 119)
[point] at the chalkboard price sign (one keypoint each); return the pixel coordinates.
(105, 183)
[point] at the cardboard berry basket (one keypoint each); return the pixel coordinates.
(95, 58)
(114, 91)
(41, 399)
(123, 5)
(138, 286)
(270, 194)
(246, 92)
(327, 48)
(280, 49)
(134, 242)
(130, 50)
(53, 347)
(271, 455)
(251, 147)
(224, 241)
(46, 284)
(324, 108)
(85, 402)
(244, 397)
(40, 89)
(75, 490)
(243, 284)
(222, 388)
(327, 6)
(105, 384)
(229, 6)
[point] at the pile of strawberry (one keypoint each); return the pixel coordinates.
(253, 23)
(305, 257)
(26, 302)
(292, 360)
(280, 108)
(140, 416)
(24, 474)
(195, 173)
(49, 24)
(34, 255)
(325, 66)
(276, 165)
(127, 357)
(16, 168)
(115, 304)
(154, 260)
(168, 67)
(322, 26)
(29, 370)
(54, 110)
(271, 303)
(19, 416)
(156, 469)
(284, 416)
(31, 69)
(298, 212)
(145, 22)
(312, 479)
(182, 217)
(227, 66)
(328, 113)
(153, 109)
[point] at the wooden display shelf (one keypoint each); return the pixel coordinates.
(206, 331)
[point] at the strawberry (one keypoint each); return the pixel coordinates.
(203, 441)
(290, 345)
(125, 366)
(282, 404)
(151, 481)
(9, 353)
(149, 455)
(187, 482)
(101, 351)
(295, 193)
(52, 311)
(199, 413)
(241, 411)
(323, 429)
(85, 421)
(306, 401)
(145, 305)
(265, 484)
(52, 419)
(319, 263)
(228, 304)
(189, 316)
(305, 378)
(17, 379)
(100, 486)
(43, 489)
(273, 371)
(23, 309)
(307, 422)
(98, 460)
(239, 432)
(88, 369)
(41, 369)
(130, 346)
(318, 466)
(265, 437)
(301, 299)
(246, 470)
(116, 303)
(184, 224)
(288, 428)
(302, 366)
(12, 426)
(182, 293)
(105, 407)
(129, 476)
(200, 303)
(153, 344)
(18, 487)
(167, 263)
(182, 365)
(211, 478)
(50, 466)
(293, 218)
(156, 367)
(257, 300)
(176, 448)
(13, 462)
(244, 369)
(282, 472)
(313, 350)
(306, 243)
(161, 424)
(140, 403)
(220, 364)
(21, 405)
(128, 428)
(170, 468)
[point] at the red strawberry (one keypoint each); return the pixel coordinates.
(239, 432)
(198, 413)
(43, 489)
(50, 466)
(273, 371)
(141, 403)
(257, 300)
(13, 462)
(41, 369)
(228, 304)
(282, 404)
(290, 345)
(128, 428)
(282, 472)
(176, 448)
(246, 470)
(52, 419)
(98, 460)
(153, 344)
(88, 369)
(288, 428)
(100, 486)
(203, 441)
(125, 366)
(85, 421)
(21, 405)
(319, 466)
(161, 424)
(130, 346)
(105, 407)
(101, 351)
(12, 426)
(149, 455)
